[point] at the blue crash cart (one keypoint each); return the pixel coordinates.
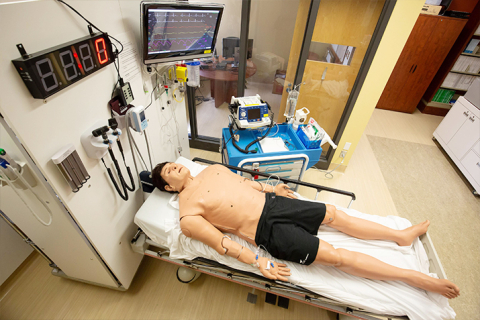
(287, 164)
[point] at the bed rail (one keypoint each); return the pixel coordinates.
(256, 281)
(284, 180)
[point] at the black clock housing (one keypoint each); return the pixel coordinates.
(52, 70)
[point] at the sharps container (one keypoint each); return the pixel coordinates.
(193, 71)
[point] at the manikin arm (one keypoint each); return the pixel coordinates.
(198, 228)
(280, 190)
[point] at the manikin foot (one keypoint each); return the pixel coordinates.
(409, 234)
(445, 287)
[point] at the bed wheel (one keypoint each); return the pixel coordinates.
(185, 275)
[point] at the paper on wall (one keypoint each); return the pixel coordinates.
(129, 58)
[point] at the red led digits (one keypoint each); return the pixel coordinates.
(101, 52)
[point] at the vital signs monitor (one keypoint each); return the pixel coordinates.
(178, 30)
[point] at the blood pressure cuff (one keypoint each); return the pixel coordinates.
(288, 227)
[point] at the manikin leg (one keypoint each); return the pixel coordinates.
(362, 265)
(368, 230)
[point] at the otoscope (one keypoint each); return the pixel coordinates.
(114, 126)
(102, 131)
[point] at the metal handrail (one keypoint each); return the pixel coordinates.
(284, 180)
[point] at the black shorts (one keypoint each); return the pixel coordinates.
(288, 227)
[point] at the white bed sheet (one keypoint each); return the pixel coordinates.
(159, 220)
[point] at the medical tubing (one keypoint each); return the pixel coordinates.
(15, 171)
(273, 186)
(132, 181)
(235, 143)
(174, 97)
(133, 151)
(138, 150)
(176, 127)
(115, 182)
(121, 149)
(116, 185)
(124, 196)
(134, 143)
(265, 135)
(133, 154)
(259, 139)
(148, 149)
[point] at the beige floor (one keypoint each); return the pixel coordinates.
(32, 293)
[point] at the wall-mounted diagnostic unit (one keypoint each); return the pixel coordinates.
(137, 117)
(52, 70)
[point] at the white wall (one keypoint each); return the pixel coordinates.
(44, 128)
(13, 251)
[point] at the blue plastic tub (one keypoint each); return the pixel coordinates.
(285, 131)
(305, 140)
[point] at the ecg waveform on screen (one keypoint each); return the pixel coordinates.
(186, 42)
(170, 31)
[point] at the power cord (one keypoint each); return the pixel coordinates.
(153, 90)
(328, 174)
(117, 53)
(73, 9)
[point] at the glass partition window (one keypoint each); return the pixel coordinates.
(271, 29)
(219, 74)
(331, 53)
(341, 35)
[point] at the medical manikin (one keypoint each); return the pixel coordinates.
(271, 218)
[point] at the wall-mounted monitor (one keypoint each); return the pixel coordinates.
(174, 31)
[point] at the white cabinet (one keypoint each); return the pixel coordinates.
(459, 135)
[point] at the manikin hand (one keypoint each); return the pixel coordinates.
(283, 190)
(278, 271)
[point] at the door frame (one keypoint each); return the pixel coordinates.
(213, 144)
(385, 15)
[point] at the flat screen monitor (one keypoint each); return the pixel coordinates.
(178, 30)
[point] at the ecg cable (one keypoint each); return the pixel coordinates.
(22, 179)
(234, 142)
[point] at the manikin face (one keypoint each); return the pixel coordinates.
(175, 175)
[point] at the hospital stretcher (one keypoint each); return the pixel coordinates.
(144, 244)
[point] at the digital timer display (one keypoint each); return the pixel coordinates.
(49, 71)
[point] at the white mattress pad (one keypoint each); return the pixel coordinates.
(159, 220)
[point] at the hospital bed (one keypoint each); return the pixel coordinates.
(160, 237)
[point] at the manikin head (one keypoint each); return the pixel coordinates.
(171, 177)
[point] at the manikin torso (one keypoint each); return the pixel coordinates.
(225, 200)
